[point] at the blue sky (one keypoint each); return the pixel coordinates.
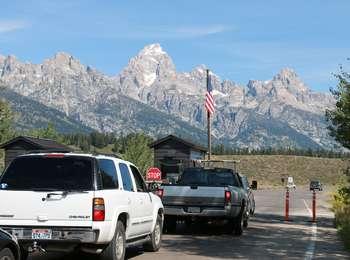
(238, 40)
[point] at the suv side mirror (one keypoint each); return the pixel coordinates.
(153, 186)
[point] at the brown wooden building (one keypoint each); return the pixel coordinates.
(24, 144)
(172, 154)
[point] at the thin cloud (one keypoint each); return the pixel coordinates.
(10, 26)
(183, 32)
(200, 31)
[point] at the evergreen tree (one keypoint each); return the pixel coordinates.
(6, 120)
(340, 116)
(138, 152)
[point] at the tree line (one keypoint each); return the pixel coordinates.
(224, 150)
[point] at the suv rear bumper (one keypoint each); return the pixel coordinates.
(62, 234)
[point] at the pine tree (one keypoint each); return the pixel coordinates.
(6, 121)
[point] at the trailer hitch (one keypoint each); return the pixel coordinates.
(36, 248)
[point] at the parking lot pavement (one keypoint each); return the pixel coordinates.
(267, 237)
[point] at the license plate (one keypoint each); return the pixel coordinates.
(41, 234)
(194, 209)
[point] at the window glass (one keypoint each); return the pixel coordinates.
(108, 174)
(140, 184)
(208, 177)
(127, 182)
(45, 173)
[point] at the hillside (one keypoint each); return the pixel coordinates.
(30, 114)
(268, 169)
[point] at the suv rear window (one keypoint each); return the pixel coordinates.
(43, 173)
(208, 177)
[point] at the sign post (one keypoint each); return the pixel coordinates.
(286, 218)
(314, 206)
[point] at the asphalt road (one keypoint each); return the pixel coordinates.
(267, 237)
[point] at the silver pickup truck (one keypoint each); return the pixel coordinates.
(206, 195)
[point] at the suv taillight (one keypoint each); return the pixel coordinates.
(227, 196)
(98, 212)
(160, 193)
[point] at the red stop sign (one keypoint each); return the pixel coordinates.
(154, 174)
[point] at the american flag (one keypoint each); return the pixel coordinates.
(209, 99)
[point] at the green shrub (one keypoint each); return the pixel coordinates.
(341, 208)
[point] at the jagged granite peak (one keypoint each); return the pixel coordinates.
(289, 79)
(151, 64)
(152, 50)
(64, 61)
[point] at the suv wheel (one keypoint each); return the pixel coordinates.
(6, 254)
(24, 254)
(156, 237)
(116, 248)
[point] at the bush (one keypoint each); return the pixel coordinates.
(341, 208)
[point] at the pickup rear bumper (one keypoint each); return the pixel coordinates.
(184, 211)
(61, 234)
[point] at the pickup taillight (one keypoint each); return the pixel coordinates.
(227, 197)
(160, 193)
(98, 210)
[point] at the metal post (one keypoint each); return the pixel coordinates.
(314, 206)
(208, 121)
(286, 218)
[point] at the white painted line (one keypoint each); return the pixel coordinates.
(307, 207)
(310, 251)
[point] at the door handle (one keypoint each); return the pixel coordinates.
(129, 201)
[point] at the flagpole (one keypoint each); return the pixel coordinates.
(208, 122)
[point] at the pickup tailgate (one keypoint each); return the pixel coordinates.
(30, 208)
(194, 196)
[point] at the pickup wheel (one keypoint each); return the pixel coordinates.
(239, 223)
(156, 237)
(6, 254)
(169, 224)
(116, 248)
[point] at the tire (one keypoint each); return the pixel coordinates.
(6, 254)
(169, 224)
(24, 254)
(116, 248)
(239, 223)
(245, 223)
(252, 210)
(156, 237)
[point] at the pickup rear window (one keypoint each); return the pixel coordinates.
(208, 177)
(43, 173)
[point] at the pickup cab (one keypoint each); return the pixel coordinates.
(92, 203)
(206, 194)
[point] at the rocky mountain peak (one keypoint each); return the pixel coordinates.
(287, 78)
(150, 65)
(64, 61)
(152, 50)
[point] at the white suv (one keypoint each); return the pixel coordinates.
(94, 203)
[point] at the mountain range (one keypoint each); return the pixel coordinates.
(150, 95)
